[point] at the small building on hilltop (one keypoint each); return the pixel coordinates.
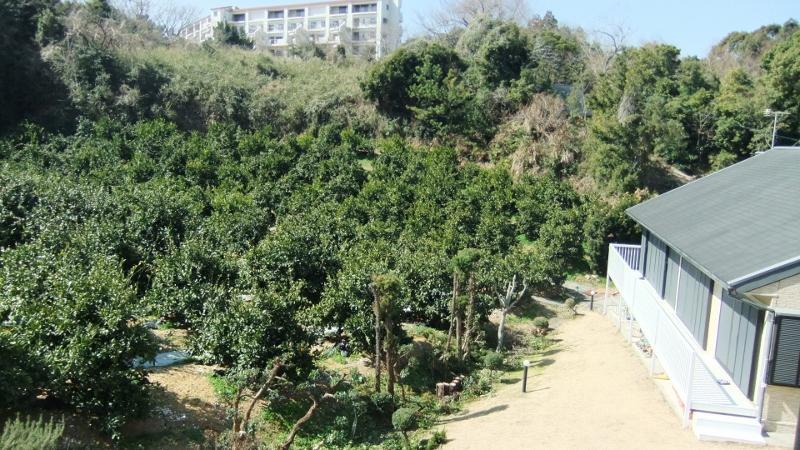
(368, 29)
(714, 288)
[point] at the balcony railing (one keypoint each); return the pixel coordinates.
(674, 347)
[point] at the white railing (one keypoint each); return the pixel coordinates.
(672, 345)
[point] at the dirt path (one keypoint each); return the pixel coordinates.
(595, 394)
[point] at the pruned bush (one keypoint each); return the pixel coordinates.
(405, 419)
(541, 323)
(31, 434)
(383, 402)
(570, 305)
(494, 361)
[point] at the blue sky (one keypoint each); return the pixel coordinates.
(693, 26)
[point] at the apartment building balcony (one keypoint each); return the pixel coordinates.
(709, 398)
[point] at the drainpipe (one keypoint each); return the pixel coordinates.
(769, 328)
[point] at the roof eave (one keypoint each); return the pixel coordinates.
(768, 275)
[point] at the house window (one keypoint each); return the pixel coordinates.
(275, 15)
(785, 370)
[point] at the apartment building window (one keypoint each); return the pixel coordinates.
(275, 27)
(238, 18)
(363, 35)
(255, 28)
(275, 40)
(385, 20)
(339, 9)
(364, 22)
(334, 23)
(316, 24)
(293, 26)
(369, 7)
(297, 12)
(275, 15)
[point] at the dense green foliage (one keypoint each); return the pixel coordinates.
(255, 201)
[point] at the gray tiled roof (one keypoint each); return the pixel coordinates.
(741, 221)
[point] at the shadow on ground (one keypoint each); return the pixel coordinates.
(481, 413)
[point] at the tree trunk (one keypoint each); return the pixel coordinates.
(276, 367)
(501, 329)
(390, 370)
(310, 413)
(458, 335)
(452, 311)
(377, 348)
(468, 320)
(236, 419)
(389, 344)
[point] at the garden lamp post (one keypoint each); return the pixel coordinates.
(525, 365)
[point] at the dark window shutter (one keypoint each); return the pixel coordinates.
(786, 354)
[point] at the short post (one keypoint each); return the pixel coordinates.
(525, 365)
(591, 300)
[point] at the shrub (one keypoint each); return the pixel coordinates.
(74, 313)
(570, 305)
(542, 323)
(31, 434)
(437, 439)
(494, 361)
(477, 385)
(16, 373)
(383, 402)
(405, 419)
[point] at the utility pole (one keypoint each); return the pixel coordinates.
(775, 114)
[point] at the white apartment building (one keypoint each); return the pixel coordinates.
(370, 28)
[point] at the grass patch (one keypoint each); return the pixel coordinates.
(223, 388)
